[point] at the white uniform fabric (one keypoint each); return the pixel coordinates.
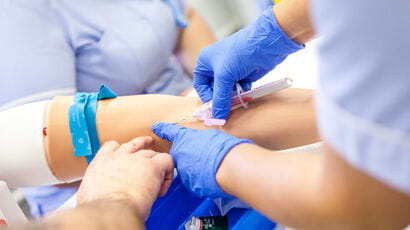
(23, 160)
(364, 99)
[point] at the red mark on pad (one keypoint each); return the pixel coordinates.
(45, 131)
(3, 223)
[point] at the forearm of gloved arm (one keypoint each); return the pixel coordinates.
(193, 39)
(311, 190)
(278, 121)
(294, 19)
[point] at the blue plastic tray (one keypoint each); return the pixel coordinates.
(179, 205)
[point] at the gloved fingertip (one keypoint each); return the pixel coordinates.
(158, 129)
(167, 131)
(220, 114)
(205, 97)
(221, 109)
(222, 99)
(204, 92)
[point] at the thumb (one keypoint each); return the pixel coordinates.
(167, 131)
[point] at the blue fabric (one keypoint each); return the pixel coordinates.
(197, 155)
(363, 101)
(179, 16)
(81, 117)
(59, 47)
(43, 200)
(243, 57)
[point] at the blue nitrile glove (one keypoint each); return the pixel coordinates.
(197, 155)
(243, 57)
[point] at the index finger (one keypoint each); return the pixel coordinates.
(135, 145)
(222, 98)
(108, 148)
(203, 85)
(167, 131)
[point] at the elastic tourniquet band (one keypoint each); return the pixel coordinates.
(81, 118)
(239, 91)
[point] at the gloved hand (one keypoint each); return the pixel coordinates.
(243, 57)
(197, 155)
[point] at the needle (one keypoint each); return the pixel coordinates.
(183, 119)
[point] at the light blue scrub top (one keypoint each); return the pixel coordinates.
(58, 47)
(364, 99)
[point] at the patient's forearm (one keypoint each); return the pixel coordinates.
(278, 121)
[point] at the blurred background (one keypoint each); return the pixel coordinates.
(227, 16)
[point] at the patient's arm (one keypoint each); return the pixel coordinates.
(36, 147)
(278, 121)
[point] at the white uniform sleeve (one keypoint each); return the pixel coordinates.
(363, 103)
(23, 161)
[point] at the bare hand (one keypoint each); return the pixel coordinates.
(128, 174)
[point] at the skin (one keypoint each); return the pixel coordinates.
(299, 190)
(107, 188)
(190, 43)
(151, 175)
(293, 18)
(98, 203)
(310, 190)
(123, 118)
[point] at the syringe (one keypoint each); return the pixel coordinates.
(204, 112)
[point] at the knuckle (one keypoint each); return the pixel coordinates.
(166, 156)
(146, 151)
(111, 144)
(127, 145)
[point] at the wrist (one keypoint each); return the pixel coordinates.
(129, 208)
(271, 37)
(293, 20)
(118, 199)
(288, 36)
(96, 215)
